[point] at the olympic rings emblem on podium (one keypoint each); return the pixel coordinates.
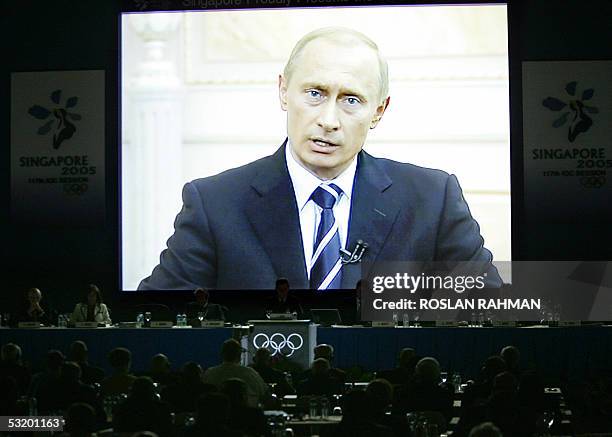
(277, 343)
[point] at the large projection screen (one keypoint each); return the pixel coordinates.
(200, 95)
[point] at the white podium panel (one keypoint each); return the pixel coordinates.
(293, 339)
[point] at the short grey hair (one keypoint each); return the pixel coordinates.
(344, 36)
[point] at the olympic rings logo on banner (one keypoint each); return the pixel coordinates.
(593, 181)
(75, 189)
(277, 342)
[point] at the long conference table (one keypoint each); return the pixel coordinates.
(572, 352)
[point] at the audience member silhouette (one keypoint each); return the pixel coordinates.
(486, 429)
(11, 365)
(425, 392)
(243, 418)
(320, 381)
(73, 390)
(160, 371)
(381, 396)
(143, 411)
(325, 351)
(230, 367)
(80, 420)
(480, 390)
(46, 384)
(262, 363)
(79, 354)
(512, 357)
(404, 371)
(182, 396)
(120, 381)
(9, 397)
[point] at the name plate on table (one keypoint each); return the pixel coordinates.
(86, 325)
(383, 324)
(446, 323)
(504, 323)
(566, 323)
(29, 325)
(161, 324)
(213, 323)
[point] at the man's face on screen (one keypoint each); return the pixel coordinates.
(332, 99)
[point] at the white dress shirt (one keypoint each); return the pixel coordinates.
(304, 184)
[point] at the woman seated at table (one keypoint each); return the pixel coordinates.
(92, 310)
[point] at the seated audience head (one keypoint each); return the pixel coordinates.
(11, 353)
(320, 367)
(236, 390)
(120, 359)
(381, 394)
(282, 287)
(55, 359)
(213, 409)
(231, 351)
(406, 357)
(191, 372)
(71, 372)
(262, 357)
(486, 429)
(160, 364)
(93, 296)
(324, 351)
(80, 420)
(427, 370)
(201, 296)
(143, 389)
(511, 356)
(78, 351)
(492, 366)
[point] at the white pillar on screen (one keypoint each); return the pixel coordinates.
(153, 125)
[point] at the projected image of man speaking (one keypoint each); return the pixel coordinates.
(290, 214)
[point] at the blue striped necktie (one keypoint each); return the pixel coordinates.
(325, 264)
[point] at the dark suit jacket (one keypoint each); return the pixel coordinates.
(240, 229)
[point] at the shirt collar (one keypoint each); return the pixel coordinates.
(304, 182)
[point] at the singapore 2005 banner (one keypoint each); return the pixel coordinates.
(57, 148)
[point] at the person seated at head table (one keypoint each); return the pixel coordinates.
(32, 309)
(92, 309)
(202, 307)
(283, 301)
